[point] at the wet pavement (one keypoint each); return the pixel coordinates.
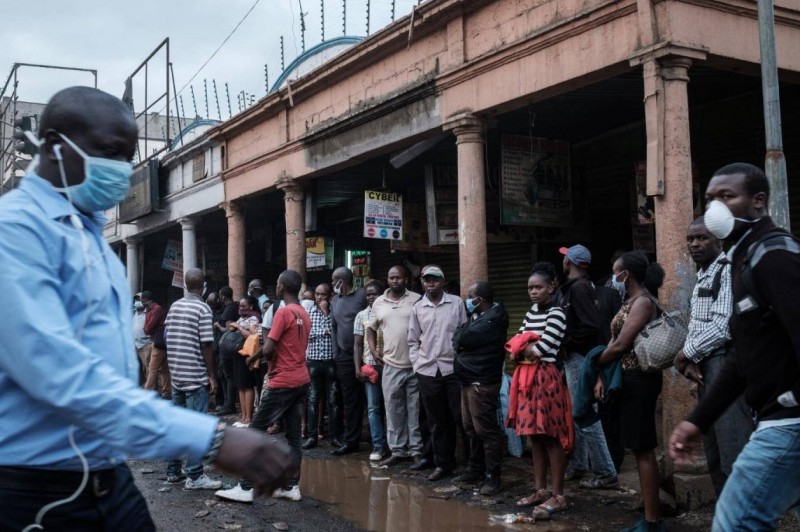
(349, 493)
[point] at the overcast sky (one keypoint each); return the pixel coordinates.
(114, 37)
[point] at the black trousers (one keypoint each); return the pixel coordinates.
(352, 398)
(479, 404)
(110, 503)
(441, 399)
(230, 386)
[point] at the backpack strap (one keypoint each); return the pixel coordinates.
(716, 283)
(775, 240)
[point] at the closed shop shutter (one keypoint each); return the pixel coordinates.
(509, 268)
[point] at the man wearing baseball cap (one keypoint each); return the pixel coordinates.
(433, 320)
(582, 335)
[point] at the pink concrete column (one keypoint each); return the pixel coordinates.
(472, 254)
(236, 248)
(674, 207)
(295, 225)
(674, 212)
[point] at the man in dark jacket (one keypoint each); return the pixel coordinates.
(765, 363)
(578, 300)
(479, 346)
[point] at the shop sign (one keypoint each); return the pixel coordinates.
(383, 215)
(142, 198)
(173, 257)
(177, 280)
(536, 184)
(644, 238)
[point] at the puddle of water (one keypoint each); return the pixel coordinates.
(371, 499)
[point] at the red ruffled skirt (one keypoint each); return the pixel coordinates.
(539, 403)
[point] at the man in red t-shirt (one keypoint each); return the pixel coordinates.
(285, 351)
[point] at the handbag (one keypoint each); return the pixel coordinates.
(660, 340)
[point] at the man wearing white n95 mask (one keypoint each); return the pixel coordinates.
(69, 401)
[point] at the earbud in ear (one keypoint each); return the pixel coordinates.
(57, 151)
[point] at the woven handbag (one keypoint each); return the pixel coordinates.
(660, 340)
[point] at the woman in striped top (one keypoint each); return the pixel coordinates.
(543, 407)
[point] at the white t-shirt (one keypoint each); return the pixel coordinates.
(266, 323)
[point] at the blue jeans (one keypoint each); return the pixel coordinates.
(764, 483)
(375, 411)
(590, 449)
(196, 400)
(323, 384)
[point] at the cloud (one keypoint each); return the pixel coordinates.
(114, 37)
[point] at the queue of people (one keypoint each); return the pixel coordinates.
(437, 359)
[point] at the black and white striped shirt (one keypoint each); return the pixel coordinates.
(187, 327)
(550, 323)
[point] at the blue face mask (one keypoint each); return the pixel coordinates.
(472, 305)
(105, 184)
(618, 285)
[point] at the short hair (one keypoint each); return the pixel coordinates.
(754, 178)
(77, 109)
(291, 281)
(700, 220)
(545, 270)
(650, 275)
(343, 273)
(375, 284)
(402, 268)
(226, 292)
(321, 285)
(252, 301)
(147, 294)
(484, 290)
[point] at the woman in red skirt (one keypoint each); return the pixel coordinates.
(540, 406)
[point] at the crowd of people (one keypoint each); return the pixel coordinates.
(427, 367)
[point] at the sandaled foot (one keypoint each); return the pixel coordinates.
(555, 504)
(539, 497)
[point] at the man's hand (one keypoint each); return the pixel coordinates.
(360, 375)
(262, 459)
(685, 443)
(599, 390)
(687, 368)
(212, 385)
(377, 356)
(252, 360)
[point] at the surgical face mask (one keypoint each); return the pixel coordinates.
(138, 305)
(105, 184)
(618, 285)
(472, 305)
(720, 220)
(337, 288)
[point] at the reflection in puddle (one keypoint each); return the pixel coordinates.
(371, 499)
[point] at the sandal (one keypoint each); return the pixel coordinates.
(539, 497)
(544, 511)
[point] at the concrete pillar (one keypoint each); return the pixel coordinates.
(188, 226)
(472, 253)
(132, 263)
(674, 212)
(236, 248)
(295, 225)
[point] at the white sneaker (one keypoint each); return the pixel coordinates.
(240, 425)
(376, 455)
(203, 482)
(236, 493)
(292, 494)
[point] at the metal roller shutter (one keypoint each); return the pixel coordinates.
(509, 267)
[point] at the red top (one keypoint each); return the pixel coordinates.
(290, 329)
(154, 319)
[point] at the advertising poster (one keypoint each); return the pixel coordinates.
(645, 205)
(315, 253)
(177, 279)
(536, 184)
(383, 215)
(173, 257)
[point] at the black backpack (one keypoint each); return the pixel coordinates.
(608, 301)
(230, 344)
(775, 240)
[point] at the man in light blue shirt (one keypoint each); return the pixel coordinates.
(69, 401)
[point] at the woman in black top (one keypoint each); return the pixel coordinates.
(640, 390)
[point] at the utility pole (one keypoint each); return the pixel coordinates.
(775, 161)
